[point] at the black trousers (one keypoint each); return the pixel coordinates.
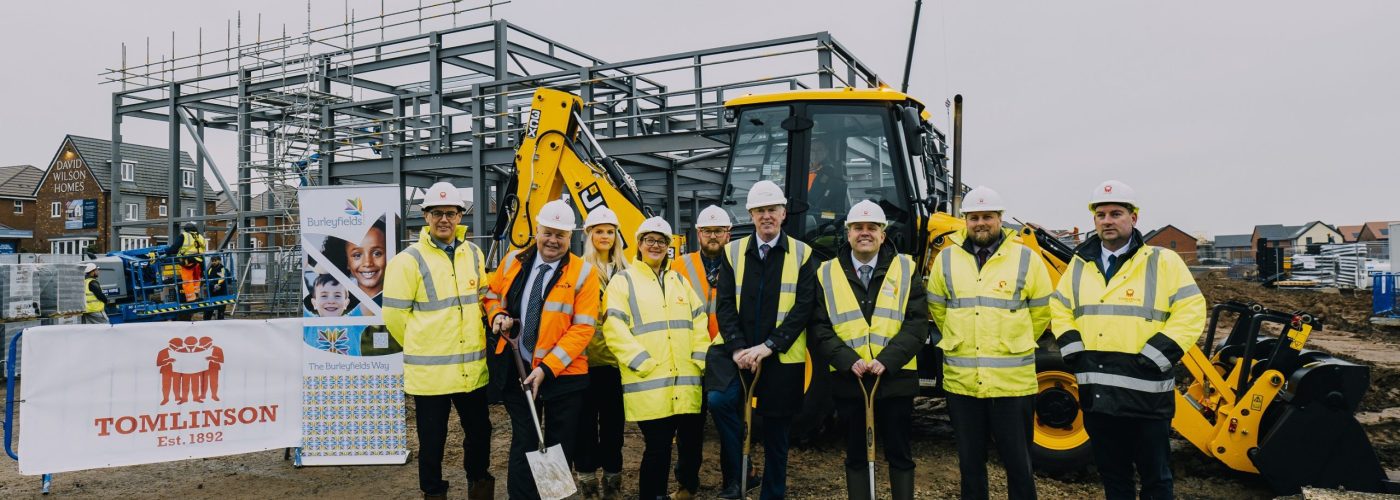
(600, 423)
(687, 432)
(431, 413)
(893, 423)
(1009, 422)
(1123, 443)
(558, 415)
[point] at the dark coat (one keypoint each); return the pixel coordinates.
(779, 390)
(896, 382)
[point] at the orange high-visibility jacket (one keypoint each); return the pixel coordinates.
(568, 317)
(693, 268)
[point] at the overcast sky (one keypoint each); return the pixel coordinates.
(1221, 114)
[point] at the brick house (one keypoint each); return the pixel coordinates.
(1173, 238)
(73, 195)
(17, 185)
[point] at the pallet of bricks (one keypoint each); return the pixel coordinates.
(37, 294)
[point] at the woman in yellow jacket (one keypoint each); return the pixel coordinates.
(657, 328)
(600, 421)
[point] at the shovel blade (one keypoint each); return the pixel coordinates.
(551, 471)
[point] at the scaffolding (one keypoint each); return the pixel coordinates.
(412, 97)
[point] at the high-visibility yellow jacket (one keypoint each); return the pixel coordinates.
(867, 339)
(658, 330)
(1122, 336)
(193, 244)
(793, 260)
(990, 318)
(432, 308)
(693, 266)
(93, 304)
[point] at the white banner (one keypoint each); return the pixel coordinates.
(353, 370)
(105, 396)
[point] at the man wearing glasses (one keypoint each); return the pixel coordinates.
(432, 308)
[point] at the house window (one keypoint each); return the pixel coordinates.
(187, 178)
(70, 247)
(1310, 240)
(189, 212)
(19, 207)
(1173, 245)
(56, 209)
(135, 242)
(131, 212)
(164, 211)
(128, 171)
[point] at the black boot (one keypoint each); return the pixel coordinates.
(857, 483)
(902, 484)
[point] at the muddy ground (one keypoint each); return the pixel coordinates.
(815, 470)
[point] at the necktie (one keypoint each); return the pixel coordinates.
(529, 331)
(1112, 267)
(982, 256)
(763, 251)
(865, 271)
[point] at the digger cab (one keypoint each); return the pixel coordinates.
(831, 148)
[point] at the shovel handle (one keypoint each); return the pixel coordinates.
(529, 395)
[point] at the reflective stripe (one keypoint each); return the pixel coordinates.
(659, 326)
(445, 359)
(1077, 273)
(1040, 302)
(632, 297)
(1075, 347)
(460, 300)
(948, 273)
(787, 288)
(837, 317)
(882, 312)
(427, 273)
(1184, 293)
(1156, 356)
(697, 312)
(563, 357)
(617, 313)
(986, 362)
(582, 276)
(736, 263)
(637, 361)
(510, 259)
(1061, 298)
(397, 303)
(559, 307)
(689, 264)
(1145, 313)
(859, 342)
(801, 251)
(698, 356)
(584, 319)
(1021, 274)
(648, 385)
(1125, 382)
(1008, 304)
(491, 295)
(1149, 299)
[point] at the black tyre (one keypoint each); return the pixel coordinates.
(1061, 444)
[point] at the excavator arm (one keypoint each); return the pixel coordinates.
(558, 157)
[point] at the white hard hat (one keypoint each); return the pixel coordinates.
(602, 215)
(713, 216)
(654, 225)
(982, 199)
(1112, 191)
(557, 215)
(89, 267)
(443, 194)
(866, 211)
(764, 194)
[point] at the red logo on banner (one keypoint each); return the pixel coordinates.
(189, 370)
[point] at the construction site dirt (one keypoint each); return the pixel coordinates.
(815, 467)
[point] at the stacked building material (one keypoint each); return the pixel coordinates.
(1350, 265)
(19, 291)
(61, 289)
(11, 329)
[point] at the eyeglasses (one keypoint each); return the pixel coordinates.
(659, 242)
(713, 232)
(440, 214)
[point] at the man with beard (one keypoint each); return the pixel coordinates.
(767, 292)
(1124, 314)
(989, 296)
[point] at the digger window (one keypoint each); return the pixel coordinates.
(850, 159)
(760, 153)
